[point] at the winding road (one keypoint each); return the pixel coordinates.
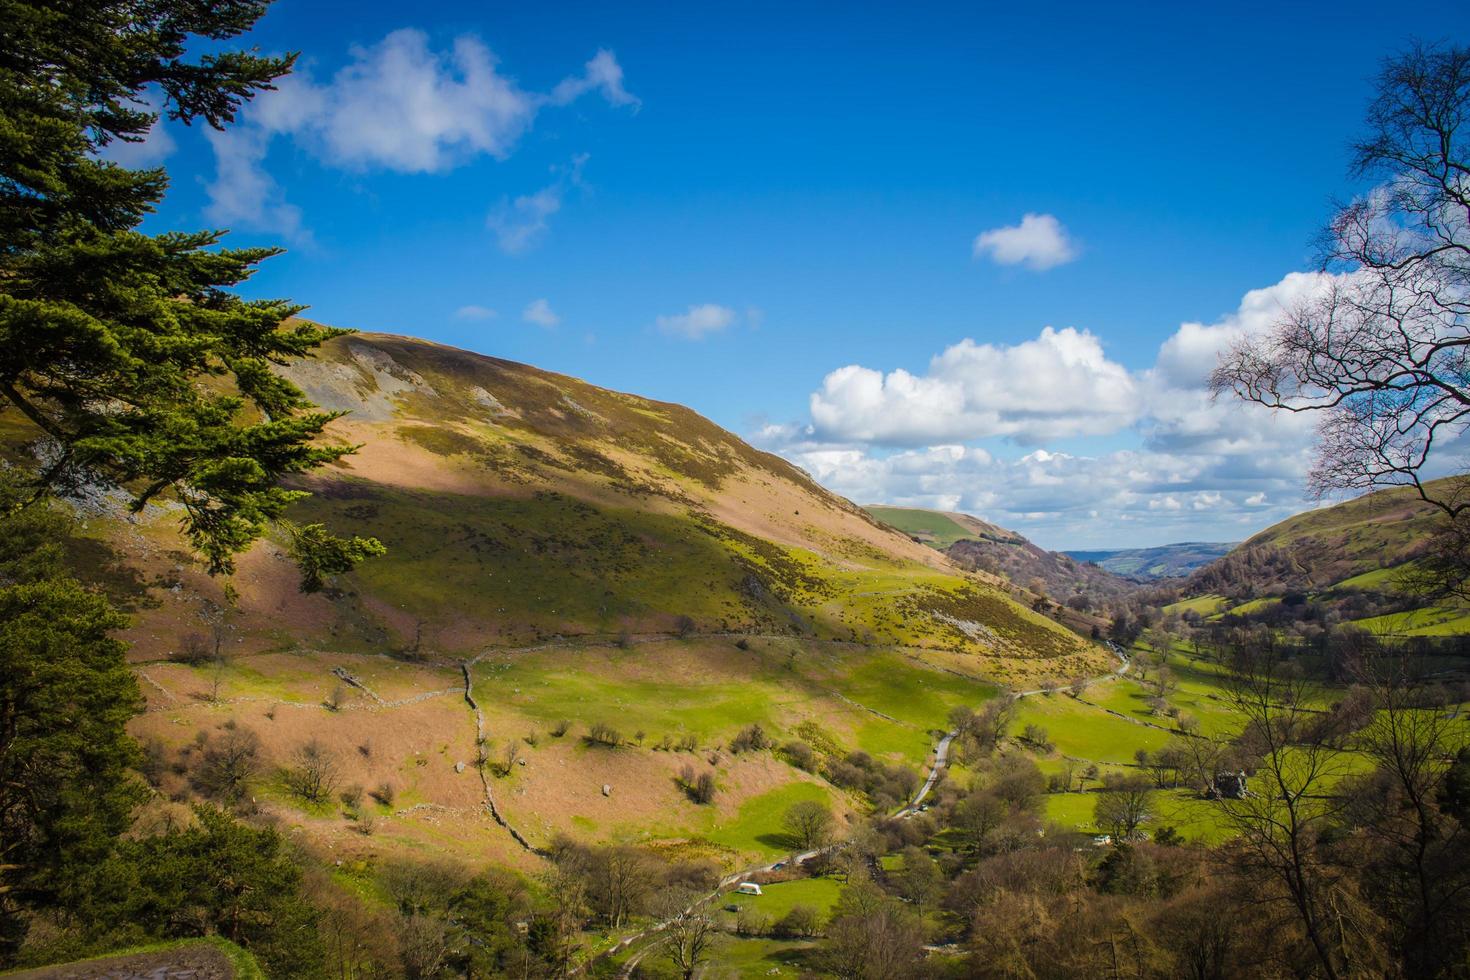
(936, 770)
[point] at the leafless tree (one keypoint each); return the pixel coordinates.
(1278, 827)
(1123, 806)
(313, 772)
(229, 762)
(1384, 351)
(1415, 855)
(690, 932)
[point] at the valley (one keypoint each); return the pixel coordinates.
(350, 654)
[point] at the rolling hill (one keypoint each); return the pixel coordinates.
(1346, 557)
(586, 593)
(1150, 564)
(977, 544)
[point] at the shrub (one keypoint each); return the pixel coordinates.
(683, 626)
(384, 794)
(561, 728)
(1037, 737)
(751, 739)
(699, 788)
(749, 922)
(352, 796)
(802, 922)
(602, 733)
(800, 755)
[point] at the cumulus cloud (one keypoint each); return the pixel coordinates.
(1039, 242)
(539, 312)
(398, 105)
(1060, 384)
(698, 322)
(1197, 468)
(474, 311)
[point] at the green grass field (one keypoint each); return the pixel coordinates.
(1085, 732)
(1433, 621)
(758, 827)
(1205, 605)
(780, 898)
(929, 526)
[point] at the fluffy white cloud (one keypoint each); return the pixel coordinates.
(474, 311)
(1201, 469)
(1060, 384)
(1039, 242)
(397, 105)
(539, 312)
(698, 322)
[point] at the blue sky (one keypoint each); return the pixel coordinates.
(730, 206)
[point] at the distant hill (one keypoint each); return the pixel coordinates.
(1341, 562)
(1149, 564)
(983, 546)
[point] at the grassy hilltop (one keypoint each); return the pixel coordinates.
(570, 557)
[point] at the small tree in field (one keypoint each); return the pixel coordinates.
(313, 774)
(809, 823)
(1123, 806)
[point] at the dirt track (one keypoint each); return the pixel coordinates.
(193, 962)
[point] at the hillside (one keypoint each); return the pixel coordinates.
(979, 545)
(1345, 558)
(1150, 564)
(586, 592)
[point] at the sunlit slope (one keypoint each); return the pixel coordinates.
(568, 557)
(1349, 557)
(1324, 547)
(519, 504)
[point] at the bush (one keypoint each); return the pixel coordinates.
(352, 796)
(751, 739)
(749, 922)
(800, 755)
(384, 794)
(683, 626)
(604, 734)
(699, 788)
(561, 728)
(802, 922)
(1038, 737)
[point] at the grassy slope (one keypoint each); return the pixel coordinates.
(555, 535)
(1360, 544)
(930, 526)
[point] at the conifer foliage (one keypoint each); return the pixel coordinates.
(128, 350)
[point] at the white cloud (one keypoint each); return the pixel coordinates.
(1201, 469)
(474, 311)
(521, 224)
(1039, 242)
(1060, 384)
(698, 322)
(242, 192)
(403, 106)
(539, 312)
(602, 73)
